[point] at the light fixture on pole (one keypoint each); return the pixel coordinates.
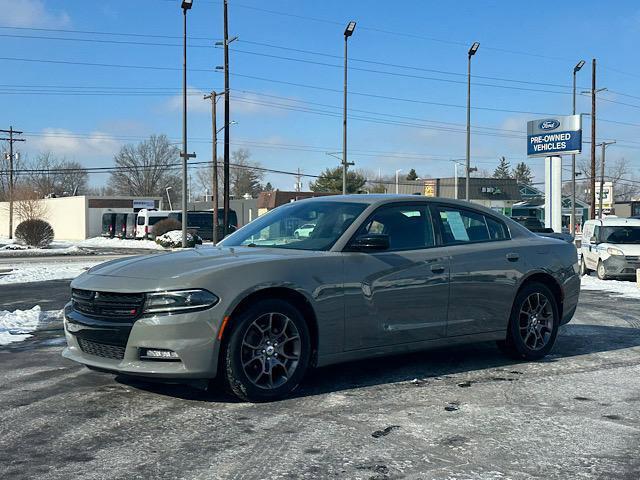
(572, 222)
(472, 52)
(186, 5)
(351, 26)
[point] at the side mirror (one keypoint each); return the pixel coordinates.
(371, 242)
(593, 240)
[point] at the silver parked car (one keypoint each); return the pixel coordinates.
(377, 275)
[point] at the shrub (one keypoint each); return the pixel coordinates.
(35, 233)
(166, 225)
(173, 239)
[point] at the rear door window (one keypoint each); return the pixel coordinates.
(465, 226)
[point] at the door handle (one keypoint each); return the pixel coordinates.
(437, 268)
(513, 257)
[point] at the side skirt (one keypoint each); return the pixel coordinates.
(409, 347)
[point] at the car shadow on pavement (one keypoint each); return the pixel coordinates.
(417, 368)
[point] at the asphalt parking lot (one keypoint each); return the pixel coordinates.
(463, 413)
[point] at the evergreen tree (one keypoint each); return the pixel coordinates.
(268, 187)
(522, 174)
(503, 170)
(412, 175)
(331, 181)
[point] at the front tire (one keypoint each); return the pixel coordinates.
(268, 351)
(533, 325)
(601, 271)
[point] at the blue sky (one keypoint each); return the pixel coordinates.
(291, 116)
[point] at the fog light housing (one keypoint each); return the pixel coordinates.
(159, 354)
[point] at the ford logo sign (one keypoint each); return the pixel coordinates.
(549, 124)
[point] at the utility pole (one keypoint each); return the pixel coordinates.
(593, 139)
(604, 147)
(225, 188)
(298, 181)
(11, 140)
(214, 196)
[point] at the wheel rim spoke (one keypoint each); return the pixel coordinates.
(271, 350)
(536, 321)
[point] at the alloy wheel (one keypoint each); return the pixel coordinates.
(271, 349)
(536, 321)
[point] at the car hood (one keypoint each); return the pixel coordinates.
(183, 263)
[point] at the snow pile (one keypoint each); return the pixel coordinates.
(619, 288)
(16, 326)
(104, 242)
(173, 239)
(40, 272)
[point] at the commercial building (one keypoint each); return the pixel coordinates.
(77, 218)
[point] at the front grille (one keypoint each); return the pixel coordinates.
(632, 258)
(101, 349)
(108, 305)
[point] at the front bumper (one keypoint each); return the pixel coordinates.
(621, 266)
(193, 336)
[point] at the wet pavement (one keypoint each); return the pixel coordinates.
(461, 413)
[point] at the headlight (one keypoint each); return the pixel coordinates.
(179, 301)
(614, 251)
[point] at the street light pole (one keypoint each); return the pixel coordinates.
(186, 5)
(472, 52)
(397, 172)
(572, 223)
(347, 33)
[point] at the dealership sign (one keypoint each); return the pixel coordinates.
(554, 135)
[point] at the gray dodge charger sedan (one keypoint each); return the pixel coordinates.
(376, 275)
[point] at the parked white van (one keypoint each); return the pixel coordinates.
(611, 247)
(147, 219)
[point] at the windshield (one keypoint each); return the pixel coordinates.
(622, 234)
(323, 222)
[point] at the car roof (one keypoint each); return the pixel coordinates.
(380, 199)
(616, 222)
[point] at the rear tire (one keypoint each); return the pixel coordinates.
(583, 267)
(268, 351)
(533, 324)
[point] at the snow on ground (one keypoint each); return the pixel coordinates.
(618, 288)
(103, 242)
(16, 326)
(42, 271)
(16, 250)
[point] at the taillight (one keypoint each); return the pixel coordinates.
(146, 229)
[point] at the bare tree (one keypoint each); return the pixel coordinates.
(51, 175)
(624, 189)
(28, 204)
(244, 176)
(147, 168)
(204, 180)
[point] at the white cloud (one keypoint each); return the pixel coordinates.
(31, 13)
(67, 143)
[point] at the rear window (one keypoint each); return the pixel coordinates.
(140, 220)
